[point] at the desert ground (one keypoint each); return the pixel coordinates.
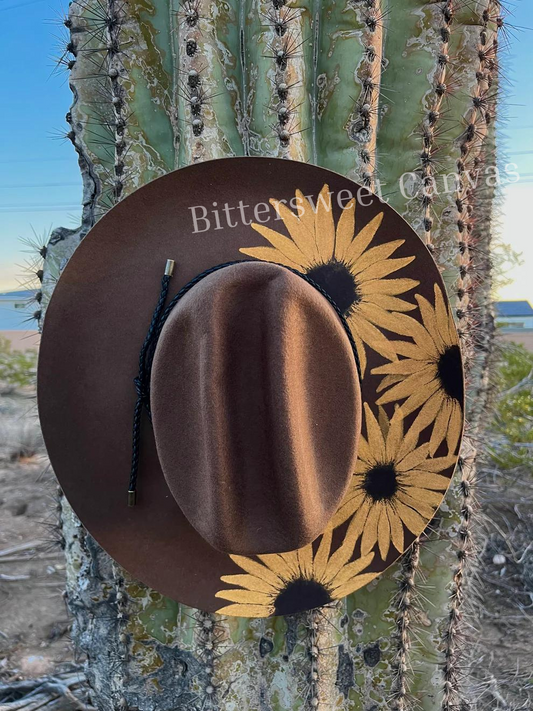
(38, 667)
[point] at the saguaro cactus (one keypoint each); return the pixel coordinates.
(399, 95)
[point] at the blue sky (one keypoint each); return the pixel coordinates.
(40, 185)
(39, 181)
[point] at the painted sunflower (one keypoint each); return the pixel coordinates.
(430, 375)
(354, 274)
(395, 484)
(280, 584)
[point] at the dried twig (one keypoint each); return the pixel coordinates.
(63, 692)
(21, 547)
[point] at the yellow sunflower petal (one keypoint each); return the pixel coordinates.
(248, 597)
(408, 444)
(302, 237)
(411, 327)
(432, 498)
(257, 569)
(350, 507)
(322, 554)
(374, 434)
(387, 287)
(345, 230)
(438, 464)
(412, 351)
(350, 570)
(426, 480)
(384, 533)
(444, 318)
(363, 239)
(383, 421)
(420, 507)
(414, 522)
(429, 411)
(345, 511)
(305, 561)
(361, 467)
(283, 244)
(250, 582)
(404, 389)
(305, 212)
(430, 322)
(355, 497)
(246, 610)
(384, 268)
(370, 532)
(394, 436)
(387, 381)
(279, 565)
(365, 454)
(405, 366)
(393, 322)
(426, 390)
(356, 584)
(396, 529)
(324, 225)
(413, 459)
(373, 336)
(440, 427)
(291, 560)
(390, 303)
(376, 254)
(455, 428)
(270, 254)
(344, 552)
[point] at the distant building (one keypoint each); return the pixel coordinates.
(15, 309)
(514, 314)
(515, 321)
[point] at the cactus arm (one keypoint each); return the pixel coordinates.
(90, 116)
(348, 85)
(279, 72)
(208, 79)
(446, 550)
(410, 57)
(149, 87)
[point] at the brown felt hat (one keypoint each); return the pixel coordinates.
(251, 386)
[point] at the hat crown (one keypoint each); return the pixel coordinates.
(256, 409)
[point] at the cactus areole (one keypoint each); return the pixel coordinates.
(293, 391)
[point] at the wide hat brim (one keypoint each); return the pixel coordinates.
(390, 290)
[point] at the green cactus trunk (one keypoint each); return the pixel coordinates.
(400, 96)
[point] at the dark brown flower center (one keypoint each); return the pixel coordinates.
(450, 373)
(339, 283)
(301, 594)
(381, 482)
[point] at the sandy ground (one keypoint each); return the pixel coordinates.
(33, 620)
(504, 587)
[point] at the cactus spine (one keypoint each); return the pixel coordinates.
(399, 95)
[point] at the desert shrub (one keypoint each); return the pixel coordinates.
(512, 427)
(17, 368)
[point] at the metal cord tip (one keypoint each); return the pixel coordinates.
(169, 269)
(132, 498)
